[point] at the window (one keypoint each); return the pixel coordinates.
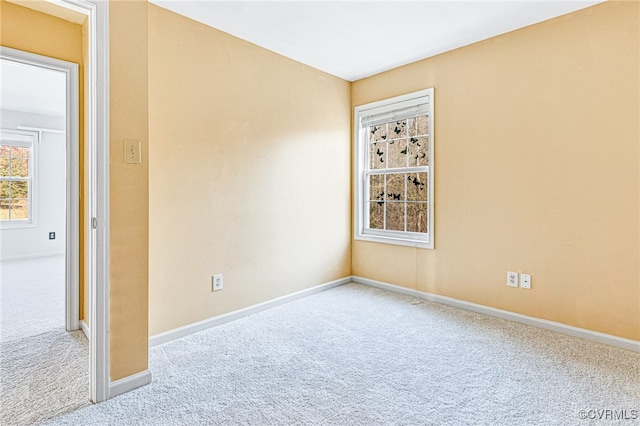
(16, 178)
(394, 170)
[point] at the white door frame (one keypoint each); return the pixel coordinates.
(97, 161)
(97, 224)
(72, 235)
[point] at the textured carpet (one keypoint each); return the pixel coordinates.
(44, 371)
(43, 376)
(356, 355)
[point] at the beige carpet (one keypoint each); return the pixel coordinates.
(356, 355)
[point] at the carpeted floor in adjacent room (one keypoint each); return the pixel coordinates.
(44, 371)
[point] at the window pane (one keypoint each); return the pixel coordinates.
(19, 209)
(377, 155)
(417, 186)
(19, 190)
(395, 186)
(14, 194)
(4, 166)
(411, 127)
(19, 167)
(398, 129)
(4, 209)
(417, 217)
(422, 125)
(376, 187)
(397, 153)
(378, 133)
(418, 152)
(395, 216)
(376, 215)
(4, 189)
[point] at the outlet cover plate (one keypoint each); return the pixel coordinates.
(512, 279)
(216, 282)
(525, 281)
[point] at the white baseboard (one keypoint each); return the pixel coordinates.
(85, 329)
(177, 333)
(31, 256)
(607, 339)
(129, 383)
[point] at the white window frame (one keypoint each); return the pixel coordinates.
(25, 139)
(361, 171)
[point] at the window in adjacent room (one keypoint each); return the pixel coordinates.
(394, 170)
(16, 178)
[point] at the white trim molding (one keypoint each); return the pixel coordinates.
(97, 224)
(85, 329)
(129, 383)
(97, 169)
(594, 336)
(186, 330)
(31, 256)
(42, 129)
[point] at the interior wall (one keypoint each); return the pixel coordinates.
(536, 171)
(129, 188)
(50, 201)
(249, 173)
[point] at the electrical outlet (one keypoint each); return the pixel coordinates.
(525, 281)
(52, 235)
(216, 282)
(512, 279)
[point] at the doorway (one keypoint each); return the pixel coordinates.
(40, 199)
(94, 16)
(39, 223)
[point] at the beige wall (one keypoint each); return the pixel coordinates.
(536, 170)
(32, 31)
(249, 176)
(129, 188)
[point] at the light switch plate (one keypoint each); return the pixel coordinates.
(132, 152)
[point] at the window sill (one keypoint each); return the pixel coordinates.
(12, 225)
(394, 241)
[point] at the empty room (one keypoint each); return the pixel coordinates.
(345, 213)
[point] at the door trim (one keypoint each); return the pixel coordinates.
(72, 232)
(97, 160)
(97, 114)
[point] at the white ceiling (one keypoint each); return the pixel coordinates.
(356, 39)
(31, 89)
(349, 39)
